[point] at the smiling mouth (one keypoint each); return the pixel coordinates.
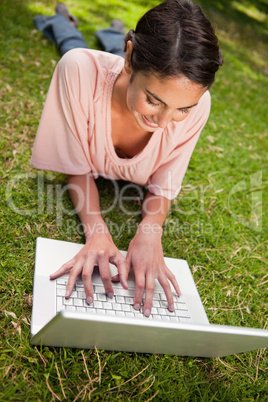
(149, 123)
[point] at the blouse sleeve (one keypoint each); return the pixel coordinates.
(166, 181)
(61, 142)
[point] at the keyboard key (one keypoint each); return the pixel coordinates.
(157, 317)
(59, 303)
(125, 292)
(165, 318)
(117, 307)
(81, 309)
(129, 300)
(126, 307)
(60, 286)
(107, 305)
(120, 313)
(164, 304)
(99, 289)
(71, 308)
(61, 282)
(183, 313)
(68, 302)
(120, 299)
(61, 292)
(101, 297)
(91, 310)
(180, 306)
(97, 304)
(88, 305)
(78, 302)
(185, 319)
(129, 314)
(170, 313)
(138, 314)
(100, 311)
(110, 312)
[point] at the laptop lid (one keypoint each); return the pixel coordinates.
(79, 330)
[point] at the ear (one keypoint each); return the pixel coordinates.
(128, 54)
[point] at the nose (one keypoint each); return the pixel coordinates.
(164, 118)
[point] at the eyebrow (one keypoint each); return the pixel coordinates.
(159, 100)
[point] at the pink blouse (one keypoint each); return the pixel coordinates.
(74, 134)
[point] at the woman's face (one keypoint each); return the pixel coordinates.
(154, 102)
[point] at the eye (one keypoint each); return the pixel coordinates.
(184, 111)
(148, 100)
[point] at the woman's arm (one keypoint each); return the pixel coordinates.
(145, 254)
(99, 248)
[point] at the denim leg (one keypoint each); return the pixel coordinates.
(66, 37)
(112, 40)
(58, 29)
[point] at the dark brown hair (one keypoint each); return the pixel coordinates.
(176, 38)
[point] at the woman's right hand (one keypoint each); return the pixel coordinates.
(99, 250)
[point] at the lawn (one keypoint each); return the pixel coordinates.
(218, 222)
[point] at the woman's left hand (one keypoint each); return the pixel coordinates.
(145, 255)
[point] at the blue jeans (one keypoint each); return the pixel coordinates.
(66, 37)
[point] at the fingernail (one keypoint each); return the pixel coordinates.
(89, 300)
(137, 306)
(67, 293)
(110, 295)
(147, 312)
(171, 308)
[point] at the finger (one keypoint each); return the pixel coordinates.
(149, 294)
(87, 277)
(63, 269)
(139, 289)
(74, 272)
(122, 267)
(168, 292)
(103, 263)
(115, 278)
(171, 277)
(121, 263)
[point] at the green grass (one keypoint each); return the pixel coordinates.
(218, 223)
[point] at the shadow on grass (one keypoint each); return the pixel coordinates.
(242, 12)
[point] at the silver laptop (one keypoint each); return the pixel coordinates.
(113, 324)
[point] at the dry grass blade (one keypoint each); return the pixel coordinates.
(143, 382)
(99, 365)
(62, 389)
(152, 397)
(132, 378)
(226, 364)
(51, 390)
(41, 357)
(85, 364)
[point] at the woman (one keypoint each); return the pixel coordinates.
(136, 119)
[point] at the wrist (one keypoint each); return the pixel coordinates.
(150, 228)
(97, 227)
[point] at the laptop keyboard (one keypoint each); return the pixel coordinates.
(120, 305)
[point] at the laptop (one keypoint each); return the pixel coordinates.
(113, 324)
